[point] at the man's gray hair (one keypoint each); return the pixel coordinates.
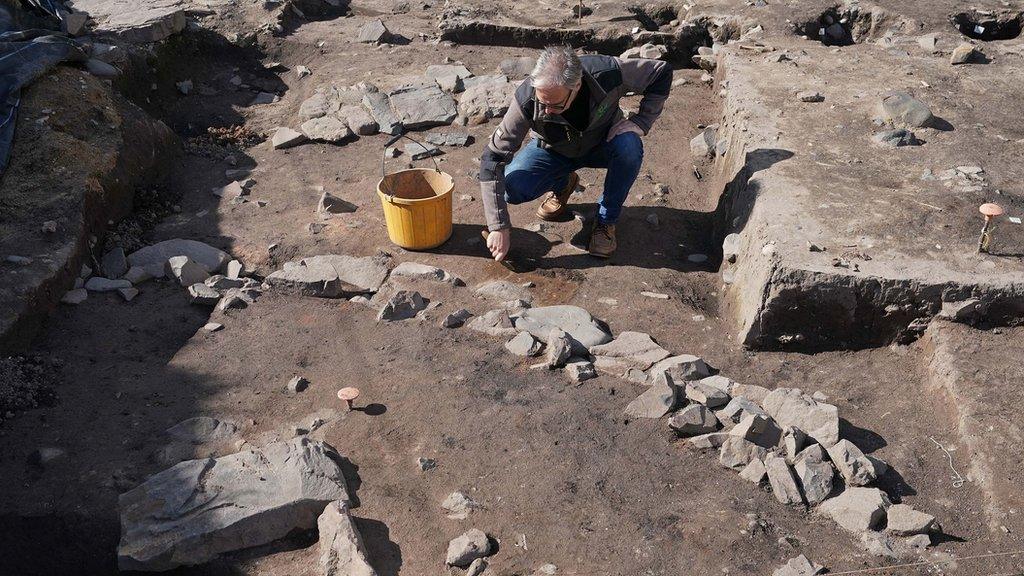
(557, 66)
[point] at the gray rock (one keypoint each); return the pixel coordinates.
(210, 258)
(297, 384)
(903, 520)
(45, 456)
(405, 304)
(235, 269)
(519, 67)
(751, 392)
(114, 263)
(855, 467)
(579, 370)
(101, 69)
(799, 566)
(358, 120)
(485, 99)
(902, 109)
(857, 509)
(895, 138)
(202, 430)
(502, 291)
(374, 32)
(963, 311)
(325, 129)
(100, 284)
(793, 440)
(816, 479)
(693, 420)
(380, 108)
(708, 441)
(220, 282)
(706, 394)
(435, 71)
(559, 348)
(457, 139)
(285, 137)
(135, 22)
(524, 344)
(703, 145)
(731, 247)
(236, 298)
(737, 409)
(198, 509)
(928, 42)
(419, 151)
(810, 96)
(325, 101)
(655, 402)
(781, 478)
(75, 297)
(417, 271)
(425, 464)
(463, 550)
(128, 294)
(458, 505)
(342, 552)
(477, 567)
(791, 407)
(963, 54)
(423, 106)
(213, 326)
(200, 293)
(736, 452)
(628, 350)
(185, 270)
(457, 318)
(759, 430)
(265, 98)
(683, 367)
(331, 275)
(331, 204)
(136, 275)
(573, 320)
(493, 323)
(754, 472)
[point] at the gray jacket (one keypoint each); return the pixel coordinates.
(608, 80)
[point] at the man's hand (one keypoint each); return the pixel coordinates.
(623, 126)
(498, 242)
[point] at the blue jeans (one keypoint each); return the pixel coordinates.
(535, 171)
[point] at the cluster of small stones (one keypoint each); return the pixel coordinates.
(209, 275)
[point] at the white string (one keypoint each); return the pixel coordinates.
(958, 480)
(927, 563)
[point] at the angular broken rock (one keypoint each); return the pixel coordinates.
(100, 284)
(358, 120)
(493, 323)
(198, 509)
(559, 348)
(325, 129)
(374, 32)
(963, 54)
(417, 271)
(186, 271)
(628, 350)
(791, 407)
(503, 291)
(579, 370)
(524, 344)
(759, 430)
(655, 402)
(456, 319)
(286, 138)
(708, 441)
(202, 430)
(342, 552)
(458, 505)
(856, 468)
(780, 476)
(517, 67)
(448, 139)
(902, 109)
(487, 98)
(810, 96)
(793, 440)
(573, 320)
(703, 145)
(857, 509)
(693, 420)
(423, 106)
(682, 368)
(799, 566)
(405, 304)
(380, 108)
(736, 452)
(75, 297)
(754, 472)
(200, 293)
(469, 546)
(210, 258)
(331, 275)
(903, 520)
(297, 384)
(418, 151)
(737, 409)
(816, 479)
(710, 396)
(751, 392)
(114, 263)
(136, 275)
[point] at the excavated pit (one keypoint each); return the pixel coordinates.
(989, 27)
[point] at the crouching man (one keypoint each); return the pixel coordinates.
(571, 104)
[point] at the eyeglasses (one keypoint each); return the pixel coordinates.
(559, 106)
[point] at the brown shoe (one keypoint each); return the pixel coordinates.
(553, 206)
(602, 240)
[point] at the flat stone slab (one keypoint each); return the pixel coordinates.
(575, 321)
(136, 20)
(791, 407)
(630, 350)
(210, 258)
(198, 509)
(423, 106)
(875, 277)
(332, 275)
(857, 509)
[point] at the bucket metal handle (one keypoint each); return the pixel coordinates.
(383, 157)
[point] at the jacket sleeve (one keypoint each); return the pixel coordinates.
(503, 144)
(652, 79)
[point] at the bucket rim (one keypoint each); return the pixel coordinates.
(397, 200)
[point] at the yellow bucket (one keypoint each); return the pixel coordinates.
(417, 207)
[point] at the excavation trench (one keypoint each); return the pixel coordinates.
(989, 27)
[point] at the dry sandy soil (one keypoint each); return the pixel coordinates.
(563, 478)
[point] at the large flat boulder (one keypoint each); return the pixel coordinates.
(575, 321)
(212, 259)
(791, 407)
(423, 106)
(198, 509)
(136, 20)
(332, 275)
